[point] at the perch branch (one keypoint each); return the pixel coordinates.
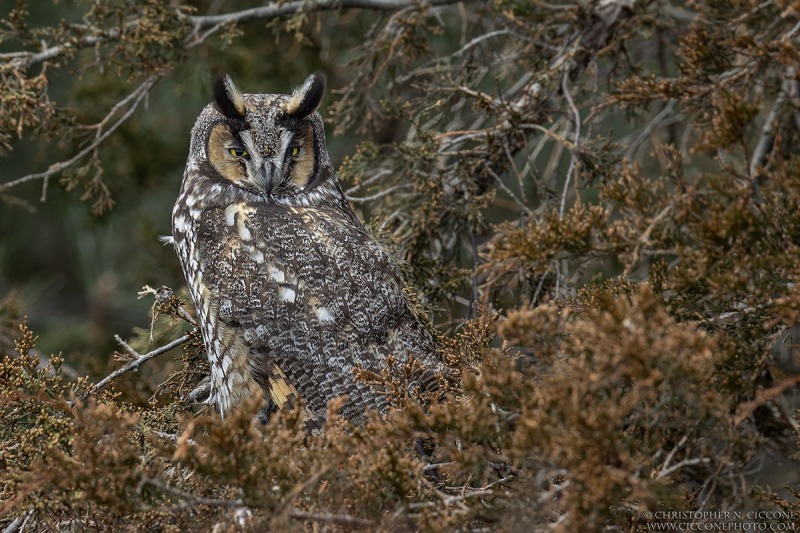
(337, 519)
(136, 363)
(282, 9)
(20, 60)
(191, 498)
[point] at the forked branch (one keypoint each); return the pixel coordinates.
(136, 363)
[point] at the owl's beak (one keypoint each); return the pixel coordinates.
(269, 176)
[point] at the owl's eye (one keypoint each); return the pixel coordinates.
(295, 151)
(238, 152)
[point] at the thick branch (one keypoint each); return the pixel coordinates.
(23, 60)
(273, 10)
(281, 9)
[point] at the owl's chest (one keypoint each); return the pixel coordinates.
(241, 237)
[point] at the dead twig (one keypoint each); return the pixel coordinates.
(135, 98)
(337, 519)
(763, 396)
(573, 162)
(135, 364)
(377, 196)
(188, 497)
(758, 160)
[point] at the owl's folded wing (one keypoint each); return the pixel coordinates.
(308, 297)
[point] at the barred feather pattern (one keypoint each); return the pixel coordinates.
(292, 293)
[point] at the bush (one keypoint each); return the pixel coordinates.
(595, 203)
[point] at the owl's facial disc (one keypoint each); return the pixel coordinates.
(294, 162)
(285, 169)
(227, 153)
(243, 147)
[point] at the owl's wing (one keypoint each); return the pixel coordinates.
(310, 296)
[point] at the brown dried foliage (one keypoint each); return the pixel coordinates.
(600, 199)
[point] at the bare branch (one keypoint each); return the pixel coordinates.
(338, 519)
(135, 364)
(191, 498)
(369, 181)
(136, 97)
(212, 23)
(448, 499)
(22, 60)
(767, 139)
(524, 208)
(281, 9)
(650, 128)
(548, 132)
(573, 159)
(386, 192)
(682, 464)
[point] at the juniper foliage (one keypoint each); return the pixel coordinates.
(596, 203)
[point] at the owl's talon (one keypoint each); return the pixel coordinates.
(201, 393)
(266, 412)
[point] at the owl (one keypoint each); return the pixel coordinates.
(292, 293)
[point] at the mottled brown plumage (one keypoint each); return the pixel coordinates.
(292, 293)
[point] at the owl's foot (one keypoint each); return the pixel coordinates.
(267, 411)
(201, 393)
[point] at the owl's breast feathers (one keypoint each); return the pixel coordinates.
(292, 299)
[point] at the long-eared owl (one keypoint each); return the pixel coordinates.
(291, 291)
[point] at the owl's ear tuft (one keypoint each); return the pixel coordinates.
(306, 98)
(227, 98)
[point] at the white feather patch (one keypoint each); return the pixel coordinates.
(243, 230)
(323, 315)
(286, 294)
(230, 214)
(277, 275)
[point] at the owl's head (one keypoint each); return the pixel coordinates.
(268, 144)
